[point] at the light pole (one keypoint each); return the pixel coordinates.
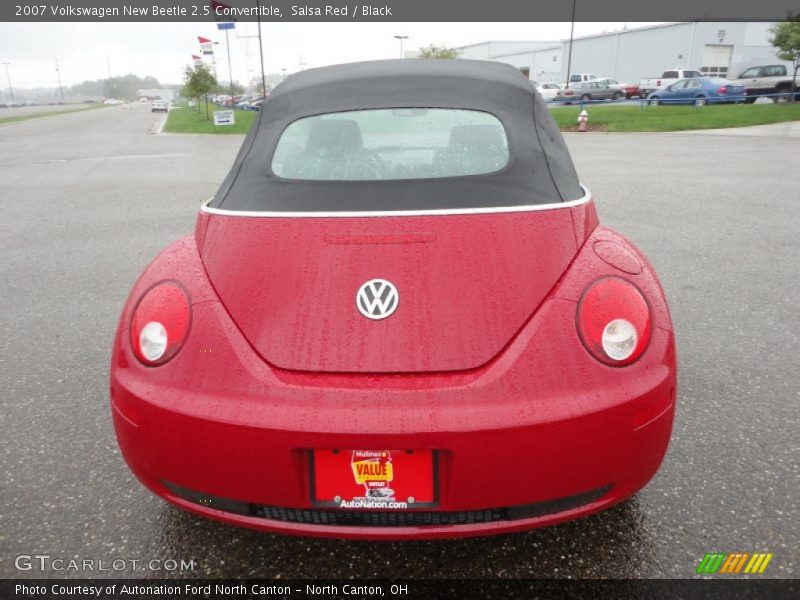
(260, 45)
(230, 70)
(284, 69)
(401, 38)
(60, 87)
(8, 76)
(261, 53)
(571, 38)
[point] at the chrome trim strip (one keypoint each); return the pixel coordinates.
(398, 213)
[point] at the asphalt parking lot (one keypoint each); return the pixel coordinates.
(87, 199)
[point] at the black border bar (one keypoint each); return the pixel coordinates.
(405, 589)
(272, 11)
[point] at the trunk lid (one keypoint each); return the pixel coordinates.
(466, 285)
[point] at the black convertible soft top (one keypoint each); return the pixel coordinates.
(539, 171)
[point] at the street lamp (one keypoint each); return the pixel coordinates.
(284, 73)
(401, 38)
(8, 76)
(571, 38)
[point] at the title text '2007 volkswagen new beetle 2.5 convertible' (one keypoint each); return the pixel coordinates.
(397, 318)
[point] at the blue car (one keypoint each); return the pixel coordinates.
(698, 91)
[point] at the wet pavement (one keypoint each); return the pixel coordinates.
(88, 199)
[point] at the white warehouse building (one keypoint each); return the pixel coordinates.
(722, 49)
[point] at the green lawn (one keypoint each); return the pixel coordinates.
(604, 118)
(49, 113)
(676, 118)
(187, 119)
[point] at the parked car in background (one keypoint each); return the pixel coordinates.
(588, 90)
(547, 90)
(159, 105)
(253, 103)
(113, 101)
(629, 89)
(699, 91)
(767, 79)
(649, 85)
(233, 101)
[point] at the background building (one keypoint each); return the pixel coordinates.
(717, 48)
(167, 94)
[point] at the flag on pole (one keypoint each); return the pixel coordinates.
(206, 45)
(196, 58)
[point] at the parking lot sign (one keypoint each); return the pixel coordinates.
(223, 117)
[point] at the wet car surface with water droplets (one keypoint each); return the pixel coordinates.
(399, 317)
(727, 481)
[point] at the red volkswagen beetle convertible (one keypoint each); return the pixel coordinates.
(397, 318)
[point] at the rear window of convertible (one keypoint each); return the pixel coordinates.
(391, 144)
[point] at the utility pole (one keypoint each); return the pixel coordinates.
(571, 36)
(401, 38)
(8, 76)
(60, 88)
(230, 70)
(261, 50)
(260, 46)
(284, 69)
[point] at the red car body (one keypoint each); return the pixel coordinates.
(481, 371)
(631, 90)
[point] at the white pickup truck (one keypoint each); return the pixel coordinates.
(578, 78)
(767, 79)
(647, 86)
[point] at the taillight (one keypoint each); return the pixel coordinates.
(568, 93)
(722, 90)
(160, 323)
(614, 321)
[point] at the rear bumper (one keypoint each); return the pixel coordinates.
(530, 476)
(540, 434)
(519, 440)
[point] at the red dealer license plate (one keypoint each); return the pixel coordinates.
(374, 479)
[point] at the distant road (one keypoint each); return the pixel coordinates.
(19, 111)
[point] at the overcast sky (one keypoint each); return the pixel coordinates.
(92, 50)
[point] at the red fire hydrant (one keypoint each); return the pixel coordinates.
(582, 118)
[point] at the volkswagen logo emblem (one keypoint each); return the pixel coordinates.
(377, 299)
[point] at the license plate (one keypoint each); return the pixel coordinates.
(374, 479)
